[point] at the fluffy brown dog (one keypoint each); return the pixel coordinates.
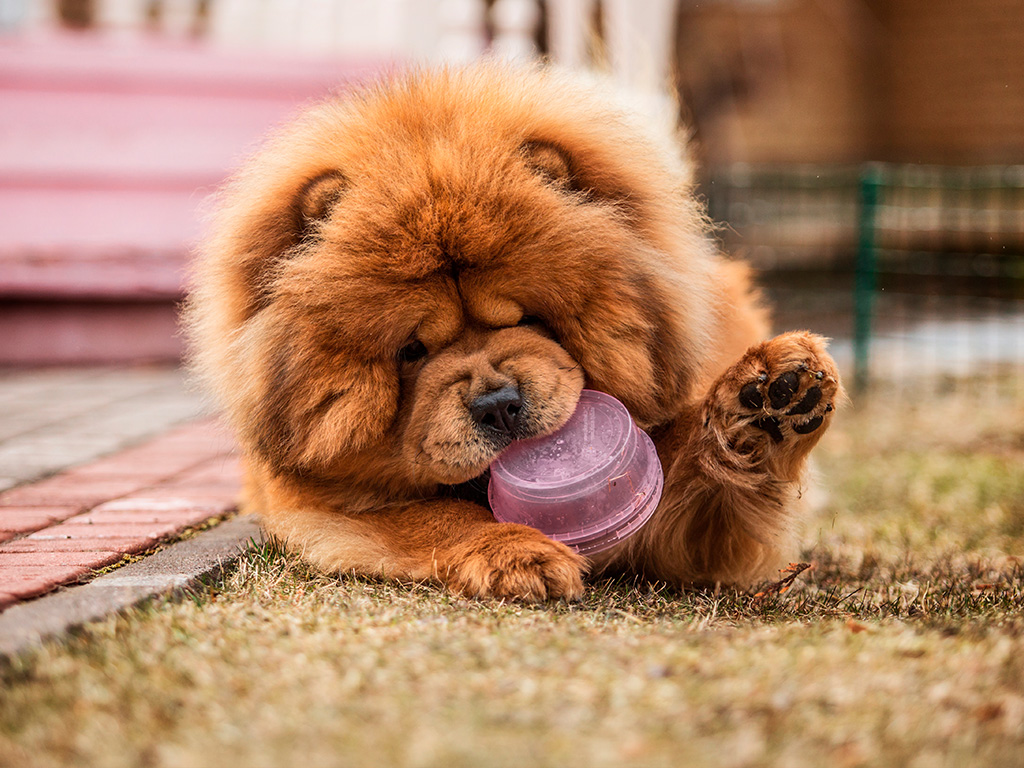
(406, 280)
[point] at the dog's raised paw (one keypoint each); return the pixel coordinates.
(778, 395)
(796, 398)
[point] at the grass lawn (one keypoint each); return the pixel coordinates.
(902, 645)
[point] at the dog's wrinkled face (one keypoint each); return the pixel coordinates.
(422, 278)
(485, 390)
(445, 348)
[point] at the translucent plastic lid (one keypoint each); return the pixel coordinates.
(591, 484)
(599, 437)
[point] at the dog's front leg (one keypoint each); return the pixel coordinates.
(455, 542)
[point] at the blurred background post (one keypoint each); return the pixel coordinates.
(865, 156)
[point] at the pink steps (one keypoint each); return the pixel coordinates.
(108, 154)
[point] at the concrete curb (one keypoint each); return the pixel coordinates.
(169, 571)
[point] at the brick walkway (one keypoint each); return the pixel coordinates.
(98, 464)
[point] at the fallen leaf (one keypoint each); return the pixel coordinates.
(987, 712)
(856, 627)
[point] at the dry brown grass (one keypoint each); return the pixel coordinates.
(902, 645)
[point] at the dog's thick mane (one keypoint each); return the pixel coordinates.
(615, 159)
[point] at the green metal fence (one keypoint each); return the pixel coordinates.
(917, 272)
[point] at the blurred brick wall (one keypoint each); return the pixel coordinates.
(835, 81)
(953, 81)
(776, 82)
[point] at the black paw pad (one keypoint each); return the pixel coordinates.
(808, 426)
(750, 396)
(781, 390)
(770, 425)
(807, 404)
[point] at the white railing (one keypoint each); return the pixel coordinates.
(634, 44)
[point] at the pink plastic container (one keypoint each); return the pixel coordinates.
(591, 484)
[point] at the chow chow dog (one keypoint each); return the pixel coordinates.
(407, 279)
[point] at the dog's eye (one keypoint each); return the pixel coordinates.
(530, 320)
(413, 351)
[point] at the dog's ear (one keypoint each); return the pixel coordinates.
(317, 197)
(593, 178)
(549, 161)
(270, 235)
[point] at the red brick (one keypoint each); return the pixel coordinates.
(29, 581)
(211, 428)
(122, 466)
(174, 516)
(26, 519)
(76, 544)
(149, 531)
(216, 474)
(153, 502)
(210, 491)
(221, 470)
(56, 559)
(24, 522)
(199, 439)
(164, 456)
(168, 499)
(26, 496)
(65, 490)
(194, 450)
(150, 461)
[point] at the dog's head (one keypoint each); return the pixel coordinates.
(406, 280)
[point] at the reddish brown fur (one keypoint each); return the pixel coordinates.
(378, 265)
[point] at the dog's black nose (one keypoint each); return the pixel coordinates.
(498, 410)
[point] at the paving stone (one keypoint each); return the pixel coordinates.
(152, 531)
(169, 571)
(62, 490)
(53, 419)
(98, 463)
(26, 497)
(161, 499)
(169, 498)
(24, 522)
(229, 489)
(32, 580)
(109, 544)
(22, 468)
(63, 438)
(28, 519)
(20, 423)
(125, 465)
(222, 469)
(54, 512)
(70, 558)
(170, 457)
(180, 516)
